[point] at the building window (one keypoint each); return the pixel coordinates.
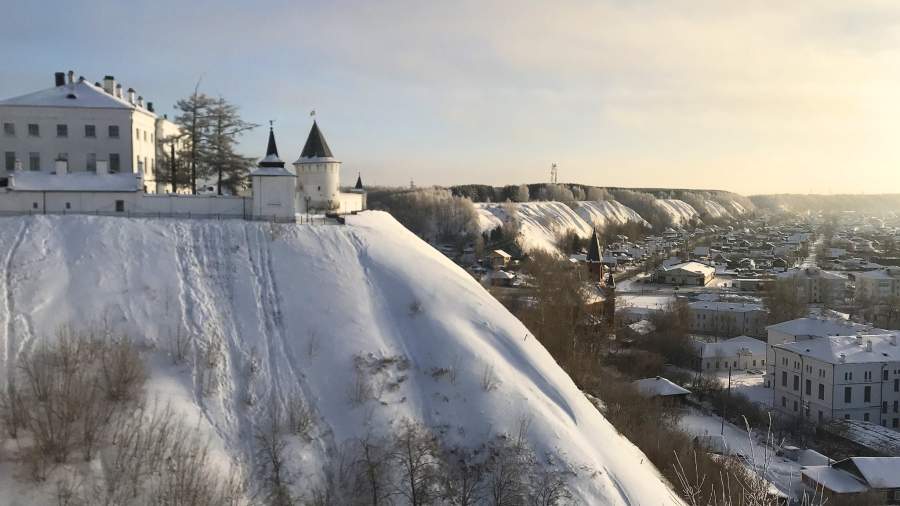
(34, 130)
(884, 375)
(848, 395)
(62, 130)
(10, 161)
(896, 405)
(114, 164)
(34, 205)
(897, 384)
(867, 394)
(808, 387)
(68, 205)
(795, 405)
(783, 401)
(884, 406)
(865, 417)
(9, 129)
(796, 383)
(784, 378)
(137, 134)
(151, 138)
(90, 131)
(113, 131)
(821, 392)
(91, 165)
(140, 165)
(145, 136)
(34, 161)
(120, 206)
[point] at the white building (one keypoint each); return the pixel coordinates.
(728, 319)
(737, 353)
(686, 274)
(817, 286)
(853, 377)
(878, 285)
(803, 329)
(318, 179)
(78, 147)
(80, 124)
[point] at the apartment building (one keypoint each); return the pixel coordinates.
(853, 377)
(817, 286)
(728, 319)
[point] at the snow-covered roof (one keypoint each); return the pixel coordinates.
(731, 307)
(502, 275)
(271, 171)
(822, 327)
(835, 480)
(74, 182)
(811, 272)
(642, 327)
(659, 387)
(732, 347)
(501, 253)
(883, 274)
(847, 349)
(78, 94)
(879, 472)
(694, 267)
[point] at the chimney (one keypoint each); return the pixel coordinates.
(869, 345)
(859, 339)
(59, 78)
(140, 101)
(131, 95)
(843, 358)
(109, 84)
(150, 106)
(81, 79)
(893, 340)
(71, 77)
(118, 90)
(62, 167)
(102, 167)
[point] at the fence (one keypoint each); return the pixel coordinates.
(300, 219)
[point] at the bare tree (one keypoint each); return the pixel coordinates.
(414, 454)
(271, 458)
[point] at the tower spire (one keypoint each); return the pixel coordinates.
(315, 146)
(271, 159)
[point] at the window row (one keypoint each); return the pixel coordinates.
(62, 130)
(34, 161)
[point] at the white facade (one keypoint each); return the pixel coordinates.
(848, 377)
(878, 285)
(817, 286)
(81, 123)
(738, 353)
(727, 319)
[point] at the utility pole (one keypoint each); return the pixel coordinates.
(727, 396)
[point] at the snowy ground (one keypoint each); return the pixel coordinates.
(784, 474)
(748, 384)
(303, 303)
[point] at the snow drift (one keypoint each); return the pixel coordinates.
(304, 304)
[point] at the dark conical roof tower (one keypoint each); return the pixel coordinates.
(359, 185)
(594, 254)
(315, 146)
(271, 159)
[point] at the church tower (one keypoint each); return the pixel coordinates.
(273, 186)
(595, 259)
(318, 175)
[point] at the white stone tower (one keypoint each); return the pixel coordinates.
(318, 175)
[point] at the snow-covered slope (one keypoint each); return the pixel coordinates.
(302, 302)
(717, 210)
(602, 213)
(680, 211)
(543, 222)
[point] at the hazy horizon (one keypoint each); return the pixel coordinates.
(753, 98)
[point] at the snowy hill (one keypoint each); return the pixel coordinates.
(543, 222)
(678, 210)
(606, 212)
(308, 306)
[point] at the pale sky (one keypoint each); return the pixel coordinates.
(753, 97)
